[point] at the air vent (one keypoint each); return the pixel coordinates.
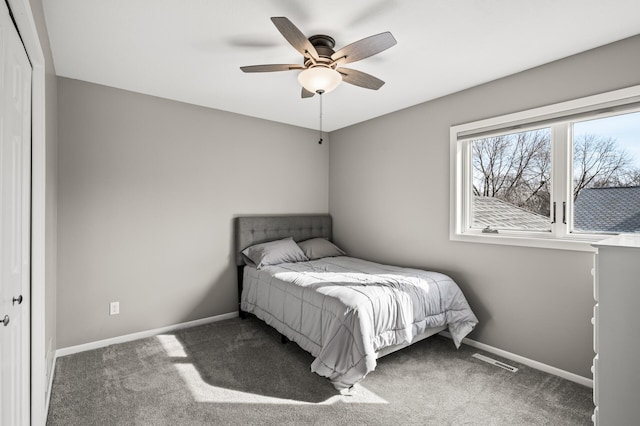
(495, 362)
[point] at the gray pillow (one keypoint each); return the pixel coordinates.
(316, 248)
(274, 253)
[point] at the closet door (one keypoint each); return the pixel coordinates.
(15, 214)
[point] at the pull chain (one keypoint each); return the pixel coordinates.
(320, 92)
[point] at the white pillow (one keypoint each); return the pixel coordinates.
(316, 248)
(274, 253)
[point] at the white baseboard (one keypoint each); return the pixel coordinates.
(526, 361)
(140, 335)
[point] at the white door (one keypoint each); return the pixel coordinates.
(15, 215)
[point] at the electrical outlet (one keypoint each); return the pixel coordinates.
(114, 308)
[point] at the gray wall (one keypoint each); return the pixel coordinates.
(147, 192)
(389, 197)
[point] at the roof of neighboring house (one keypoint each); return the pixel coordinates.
(498, 214)
(610, 209)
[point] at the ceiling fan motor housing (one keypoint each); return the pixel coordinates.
(324, 45)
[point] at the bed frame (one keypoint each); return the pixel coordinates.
(250, 230)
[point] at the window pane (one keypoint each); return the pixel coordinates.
(606, 174)
(512, 181)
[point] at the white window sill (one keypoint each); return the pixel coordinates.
(574, 243)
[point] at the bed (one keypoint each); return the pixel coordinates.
(344, 311)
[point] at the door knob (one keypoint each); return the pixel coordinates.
(5, 320)
(17, 299)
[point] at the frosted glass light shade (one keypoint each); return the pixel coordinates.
(319, 78)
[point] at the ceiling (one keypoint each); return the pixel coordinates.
(191, 50)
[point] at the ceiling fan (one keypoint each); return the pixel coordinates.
(322, 66)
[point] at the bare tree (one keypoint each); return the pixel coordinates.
(599, 162)
(633, 177)
(516, 168)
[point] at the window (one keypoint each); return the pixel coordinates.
(511, 181)
(606, 174)
(561, 176)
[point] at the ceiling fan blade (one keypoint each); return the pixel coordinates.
(361, 79)
(306, 93)
(258, 41)
(364, 48)
(294, 36)
(375, 9)
(271, 67)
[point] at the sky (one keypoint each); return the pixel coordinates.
(624, 128)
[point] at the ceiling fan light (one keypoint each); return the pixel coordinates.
(319, 78)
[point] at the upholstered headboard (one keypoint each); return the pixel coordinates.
(251, 230)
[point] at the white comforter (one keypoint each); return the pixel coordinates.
(343, 310)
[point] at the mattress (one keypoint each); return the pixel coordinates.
(343, 310)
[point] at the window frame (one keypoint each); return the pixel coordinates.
(559, 118)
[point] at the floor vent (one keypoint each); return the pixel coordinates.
(495, 362)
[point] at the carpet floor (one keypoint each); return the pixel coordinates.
(237, 372)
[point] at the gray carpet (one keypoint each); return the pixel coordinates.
(238, 372)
